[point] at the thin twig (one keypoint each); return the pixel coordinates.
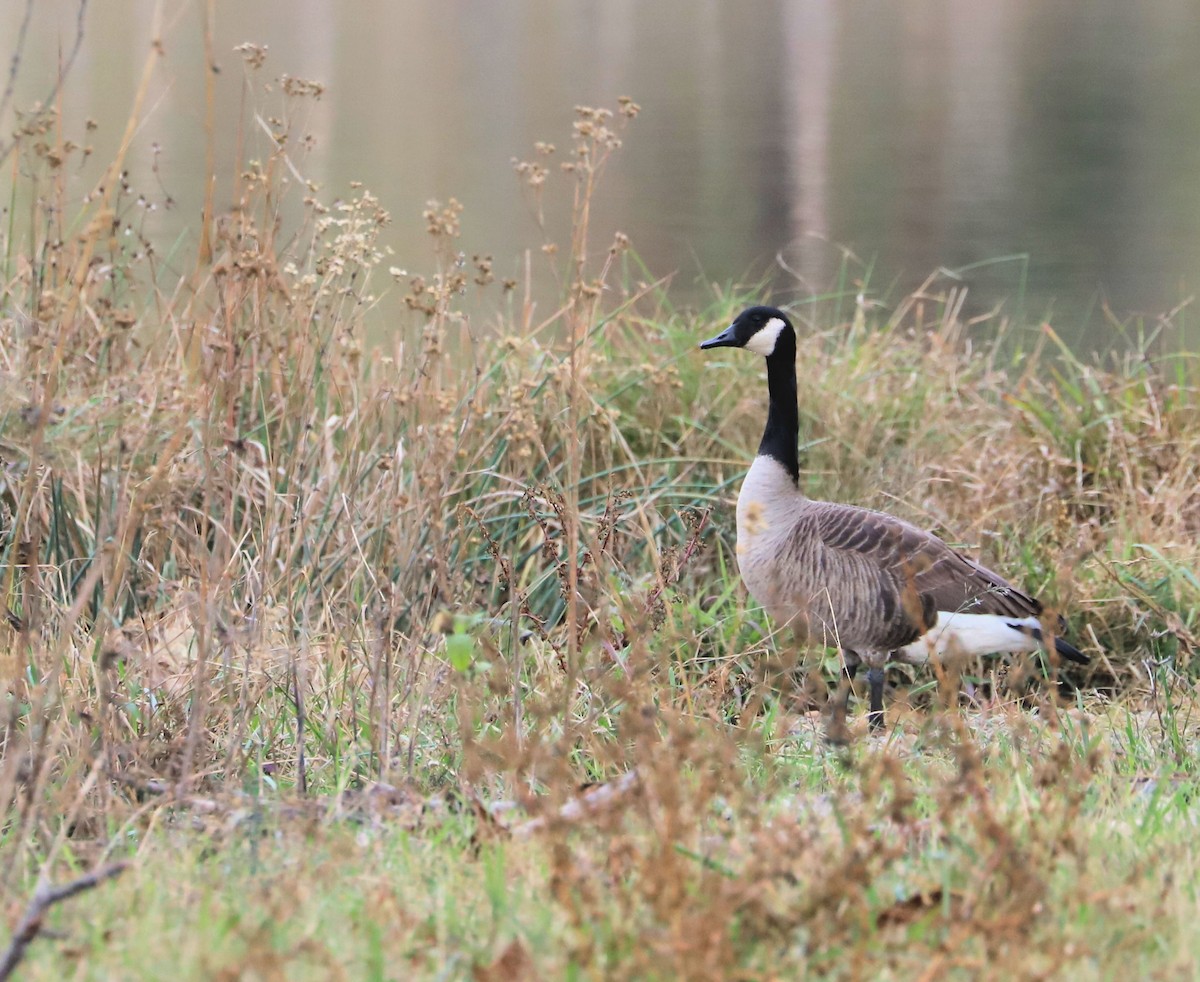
(1173, 622)
(15, 65)
(80, 17)
(45, 897)
(298, 701)
(689, 550)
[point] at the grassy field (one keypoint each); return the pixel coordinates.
(424, 655)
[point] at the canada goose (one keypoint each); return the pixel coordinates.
(866, 582)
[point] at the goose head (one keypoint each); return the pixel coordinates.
(758, 329)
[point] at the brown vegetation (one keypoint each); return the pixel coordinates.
(260, 568)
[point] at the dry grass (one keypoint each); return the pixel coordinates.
(328, 635)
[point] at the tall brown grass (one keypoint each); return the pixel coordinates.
(250, 553)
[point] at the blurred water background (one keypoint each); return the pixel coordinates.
(1049, 151)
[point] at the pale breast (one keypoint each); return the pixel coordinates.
(768, 509)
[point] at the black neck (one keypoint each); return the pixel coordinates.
(781, 437)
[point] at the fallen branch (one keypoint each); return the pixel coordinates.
(588, 803)
(45, 897)
(376, 798)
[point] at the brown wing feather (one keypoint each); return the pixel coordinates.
(900, 576)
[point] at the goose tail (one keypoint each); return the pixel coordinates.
(1063, 648)
(1070, 652)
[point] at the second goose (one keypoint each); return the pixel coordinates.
(877, 587)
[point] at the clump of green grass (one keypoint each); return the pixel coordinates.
(303, 587)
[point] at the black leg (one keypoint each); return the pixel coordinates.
(875, 679)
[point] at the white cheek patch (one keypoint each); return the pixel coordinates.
(763, 340)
